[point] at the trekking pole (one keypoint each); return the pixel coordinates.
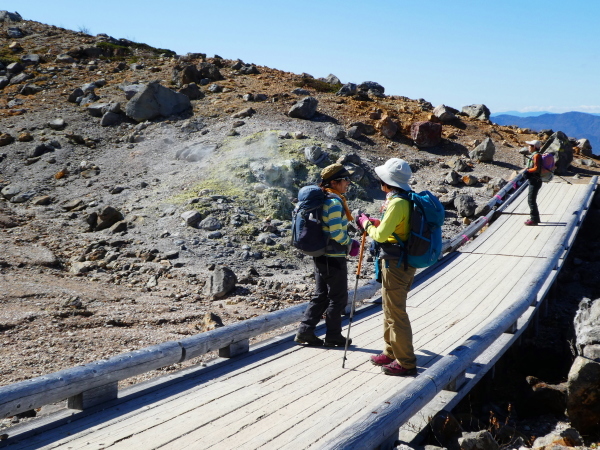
(360, 257)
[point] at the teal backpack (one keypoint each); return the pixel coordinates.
(424, 245)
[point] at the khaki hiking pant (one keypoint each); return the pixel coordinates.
(397, 333)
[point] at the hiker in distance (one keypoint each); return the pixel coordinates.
(331, 273)
(398, 356)
(533, 174)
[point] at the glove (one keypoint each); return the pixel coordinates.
(354, 248)
(362, 220)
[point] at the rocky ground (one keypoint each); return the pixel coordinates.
(95, 256)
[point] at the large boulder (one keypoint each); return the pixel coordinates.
(585, 147)
(107, 217)
(304, 109)
(561, 146)
(426, 134)
(444, 113)
(371, 86)
(347, 90)
(388, 127)
(583, 390)
(587, 324)
(480, 112)
(155, 100)
(185, 75)
(8, 17)
(484, 152)
(220, 282)
(478, 440)
(210, 71)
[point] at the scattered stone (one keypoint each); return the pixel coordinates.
(484, 152)
(65, 59)
(371, 87)
(191, 218)
(118, 227)
(469, 180)
(192, 91)
(8, 17)
(109, 119)
(248, 112)
(221, 281)
(75, 95)
(215, 88)
(266, 238)
(354, 132)
(39, 150)
(388, 127)
(335, 132)
(15, 68)
(107, 217)
(348, 90)
(478, 440)
(31, 59)
(426, 134)
(304, 109)
(314, 154)
(300, 91)
(30, 89)
(42, 200)
(465, 205)
(209, 322)
(25, 136)
(6, 139)
(57, 124)
(480, 112)
(210, 223)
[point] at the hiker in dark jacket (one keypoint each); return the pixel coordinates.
(533, 174)
(331, 273)
(398, 356)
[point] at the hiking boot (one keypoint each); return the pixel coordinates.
(308, 338)
(531, 222)
(381, 360)
(397, 370)
(336, 341)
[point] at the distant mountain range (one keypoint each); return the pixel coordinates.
(574, 124)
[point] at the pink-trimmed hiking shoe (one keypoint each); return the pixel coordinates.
(396, 369)
(531, 222)
(381, 360)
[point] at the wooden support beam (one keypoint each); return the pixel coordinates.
(390, 442)
(512, 328)
(93, 397)
(455, 385)
(235, 349)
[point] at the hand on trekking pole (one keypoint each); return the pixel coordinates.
(362, 220)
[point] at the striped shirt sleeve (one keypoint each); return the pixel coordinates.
(335, 222)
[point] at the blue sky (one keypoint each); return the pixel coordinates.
(527, 55)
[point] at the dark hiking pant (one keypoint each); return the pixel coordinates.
(331, 295)
(535, 183)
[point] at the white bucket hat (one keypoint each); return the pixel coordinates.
(536, 144)
(395, 172)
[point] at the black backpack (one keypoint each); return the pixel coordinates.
(307, 223)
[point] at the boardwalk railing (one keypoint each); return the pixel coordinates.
(376, 427)
(93, 383)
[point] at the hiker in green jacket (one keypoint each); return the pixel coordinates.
(398, 356)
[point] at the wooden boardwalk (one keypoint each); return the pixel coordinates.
(284, 396)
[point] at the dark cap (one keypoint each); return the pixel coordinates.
(335, 172)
